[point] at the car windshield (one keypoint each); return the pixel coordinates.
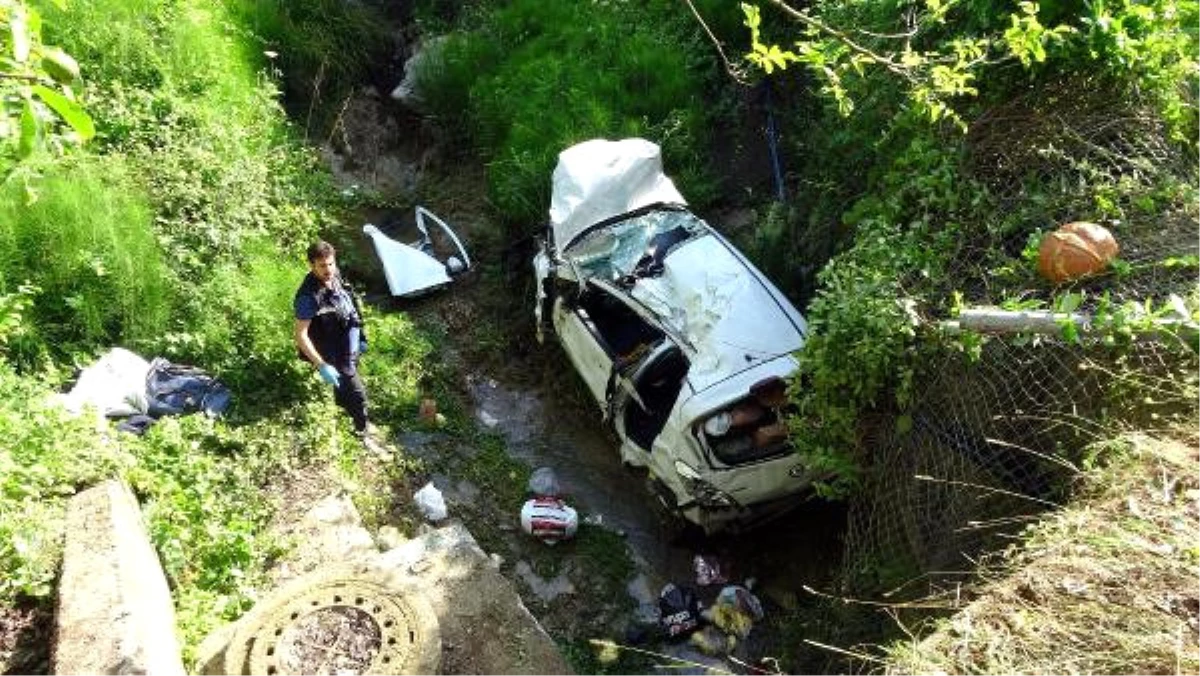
(615, 250)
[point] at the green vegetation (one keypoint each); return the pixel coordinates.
(84, 243)
(40, 112)
(177, 231)
(322, 49)
(974, 128)
(521, 81)
(156, 197)
(1096, 588)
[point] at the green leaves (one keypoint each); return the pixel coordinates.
(1027, 38)
(70, 111)
(36, 98)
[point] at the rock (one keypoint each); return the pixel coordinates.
(389, 537)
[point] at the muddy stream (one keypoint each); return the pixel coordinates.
(798, 549)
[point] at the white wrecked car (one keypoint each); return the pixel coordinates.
(684, 344)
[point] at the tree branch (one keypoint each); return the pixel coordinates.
(838, 35)
(729, 67)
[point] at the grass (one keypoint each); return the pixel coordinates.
(178, 232)
(86, 244)
(501, 85)
(1106, 585)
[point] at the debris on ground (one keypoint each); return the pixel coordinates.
(430, 502)
(679, 610)
(735, 611)
(709, 570)
(546, 515)
(121, 384)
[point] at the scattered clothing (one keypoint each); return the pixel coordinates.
(176, 389)
(679, 610)
(136, 424)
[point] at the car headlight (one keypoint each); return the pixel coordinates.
(704, 493)
(708, 495)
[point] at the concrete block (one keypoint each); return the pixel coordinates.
(115, 614)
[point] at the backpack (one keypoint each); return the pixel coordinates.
(175, 389)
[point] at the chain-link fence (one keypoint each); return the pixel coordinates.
(997, 437)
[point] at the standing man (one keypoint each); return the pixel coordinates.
(329, 331)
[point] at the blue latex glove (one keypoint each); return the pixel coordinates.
(329, 374)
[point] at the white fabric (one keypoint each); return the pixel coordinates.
(599, 179)
(115, 385)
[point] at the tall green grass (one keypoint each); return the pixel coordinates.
(86, 244)
(178, 233)
(323, 48)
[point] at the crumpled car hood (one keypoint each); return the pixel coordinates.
(730, 316)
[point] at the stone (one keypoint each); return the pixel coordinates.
(115, 614)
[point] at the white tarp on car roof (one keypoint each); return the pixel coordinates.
(599, 179)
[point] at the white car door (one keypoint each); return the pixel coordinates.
(583, 345)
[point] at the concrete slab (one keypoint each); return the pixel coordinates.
(483, 626)
(115, 614)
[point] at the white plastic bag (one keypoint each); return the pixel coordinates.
(115, 384)
(431, 503)
(544, 481)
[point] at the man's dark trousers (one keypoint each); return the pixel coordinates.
(351, 395)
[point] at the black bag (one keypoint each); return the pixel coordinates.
(176, 389)
(679, 610)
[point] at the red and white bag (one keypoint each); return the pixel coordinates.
(548, 519)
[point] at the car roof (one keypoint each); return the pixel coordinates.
(599, 179)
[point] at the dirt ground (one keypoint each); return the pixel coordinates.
(26, 633)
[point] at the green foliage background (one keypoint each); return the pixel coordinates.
(518, 82)
(915, 216)
(178, 231)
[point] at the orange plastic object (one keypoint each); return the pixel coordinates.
(1076, 250)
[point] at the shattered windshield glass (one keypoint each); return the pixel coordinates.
(616, 250)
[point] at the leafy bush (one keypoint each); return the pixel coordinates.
(503, 84)
(242, 326)
(38, 106)
(919, 213)
(46, 457)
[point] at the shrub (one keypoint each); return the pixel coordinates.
(241, 326)
(503, 84)
(46, 457)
